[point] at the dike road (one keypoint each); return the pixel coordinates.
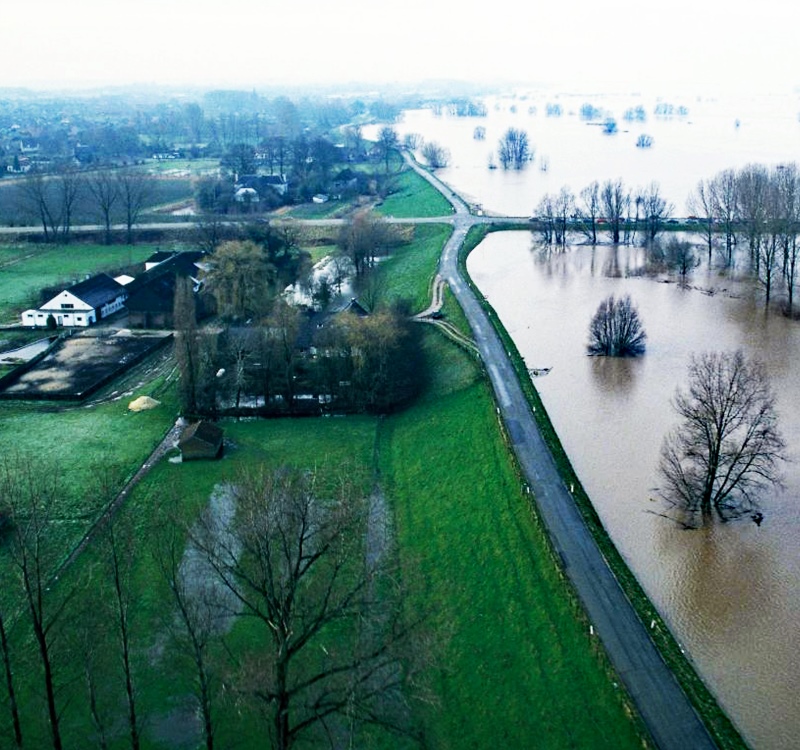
(666, 711)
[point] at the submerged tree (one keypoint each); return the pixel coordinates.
(727, 447)
(616, 329)
(514, 149)
(437, 156)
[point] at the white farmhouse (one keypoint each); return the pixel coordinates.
(81, 304)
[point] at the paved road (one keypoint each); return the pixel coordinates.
(666, 711)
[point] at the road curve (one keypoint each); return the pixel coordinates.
(664, 708)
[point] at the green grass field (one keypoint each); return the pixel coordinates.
(518, 668)
(414, 197)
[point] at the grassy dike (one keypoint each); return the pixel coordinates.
(718, 723)
(515, 664)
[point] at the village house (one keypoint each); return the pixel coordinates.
(81, 304)
(262, 184)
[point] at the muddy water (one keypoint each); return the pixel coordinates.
(731, 594)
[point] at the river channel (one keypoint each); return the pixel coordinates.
(731, 593)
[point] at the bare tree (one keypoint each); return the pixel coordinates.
(412, 141)
(241, 345)
(387, 143)
(752, 192)
(186, 343)
(136, 189)
(552, 214)
(32, 492)
(13, 707)
(354, 140)
(193, 621)
(211, 231)
(655, 209)
(727, 447)
(362, 239)
(589, 210)
(334, 631)
(437, 156)
(104, 188)
(615, 201)
(38, 197)
(786, 181)
(768, 263)
(723, 189)
(514, 149)
(119, 555)
(679, 256)
(616, 329)
(69, 184)
(701, 204)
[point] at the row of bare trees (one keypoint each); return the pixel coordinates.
(299, 555)
(759, 208)
(112, 196)
(611, 207)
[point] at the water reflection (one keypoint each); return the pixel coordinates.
(722, 582)
(614, 374)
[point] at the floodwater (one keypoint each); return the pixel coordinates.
(731, 593)
(715, 133)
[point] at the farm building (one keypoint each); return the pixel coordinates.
(262, 184)
(201, 440)
(152, 295)
(81, 304)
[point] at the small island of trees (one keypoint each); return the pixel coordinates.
(616, 329)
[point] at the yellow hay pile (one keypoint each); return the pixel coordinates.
(143, 403)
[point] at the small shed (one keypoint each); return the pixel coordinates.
(201, 440)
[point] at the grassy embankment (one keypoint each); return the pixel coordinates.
(720, 726)
(516, 666)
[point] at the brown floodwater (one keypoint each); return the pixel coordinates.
(730, 593)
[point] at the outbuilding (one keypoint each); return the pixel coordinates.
(201, 440)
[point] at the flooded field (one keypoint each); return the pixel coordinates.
(731, 593)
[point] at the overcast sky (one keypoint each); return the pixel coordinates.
(646, 44)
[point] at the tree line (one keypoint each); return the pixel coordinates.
(750, 215)
(54, 200)
(610, 208)
(757, 208)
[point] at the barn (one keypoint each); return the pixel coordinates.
(81, 304)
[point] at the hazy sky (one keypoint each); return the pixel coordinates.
(613, 43)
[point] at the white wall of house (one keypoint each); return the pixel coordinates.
(70, 311)
(71, 319)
